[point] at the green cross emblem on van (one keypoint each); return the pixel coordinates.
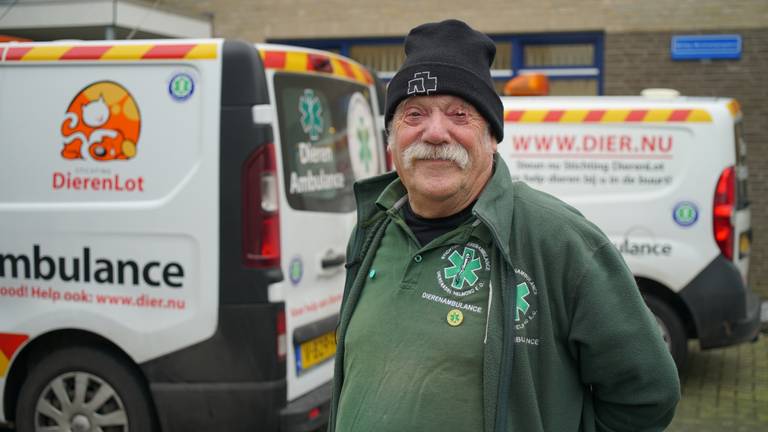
(311, 114)
(365, 151)
(464, 268)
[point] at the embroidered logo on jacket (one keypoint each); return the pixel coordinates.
(466, 271)
(526, 292)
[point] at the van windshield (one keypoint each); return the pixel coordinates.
(328, 140)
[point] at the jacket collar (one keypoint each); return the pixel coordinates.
(494, 206)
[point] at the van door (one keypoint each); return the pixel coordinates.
(326, 139)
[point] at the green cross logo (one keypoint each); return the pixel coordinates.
(365, 151)
(181, 86)
(463, 269)
(522, 305)
(311, 114)
(686, 214)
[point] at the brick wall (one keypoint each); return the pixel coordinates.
(257, 21)
(634, 61)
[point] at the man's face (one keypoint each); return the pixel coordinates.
(443, 152)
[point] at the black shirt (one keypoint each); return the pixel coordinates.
(427, 230)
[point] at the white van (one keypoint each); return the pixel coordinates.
(666, 179)
(173, 221)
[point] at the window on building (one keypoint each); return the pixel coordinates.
(571, 61)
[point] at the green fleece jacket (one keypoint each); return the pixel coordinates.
(570, 344)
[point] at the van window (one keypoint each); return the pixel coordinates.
(318, 166)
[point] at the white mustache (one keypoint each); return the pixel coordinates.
(453, 152)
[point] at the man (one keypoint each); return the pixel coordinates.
(476, 304)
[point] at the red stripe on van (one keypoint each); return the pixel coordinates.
(367, 74)
(513, 116)
(679, 115)
(636, 115)
(10, 342)
(553, 116)
(85, 53)
(17, 53)
(168, 51)
(347, 69)
(594, 116)
(274, 59)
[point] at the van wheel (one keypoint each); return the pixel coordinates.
(83, 389)
(671, 329)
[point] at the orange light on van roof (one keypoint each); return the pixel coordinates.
(527, 85)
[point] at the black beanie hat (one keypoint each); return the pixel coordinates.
(451, 58)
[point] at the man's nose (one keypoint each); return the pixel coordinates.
(436, 129)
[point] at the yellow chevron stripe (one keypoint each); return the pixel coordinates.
(699, 116)
(42, 53)
(126, 52)
(4, 361)
(358, 72)
(533, 116)
(338, 69)
(615, 116)
(296, 61)
(202, 51)
(657, 115)
(573, 116)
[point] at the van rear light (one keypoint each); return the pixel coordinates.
(724, 202)
(282, 338)
(313, 413)
(261, 215)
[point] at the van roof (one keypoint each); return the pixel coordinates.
(615, 100)
(578, 109)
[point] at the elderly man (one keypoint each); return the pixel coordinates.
(476, 304)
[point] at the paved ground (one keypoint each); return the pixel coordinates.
(725, 390)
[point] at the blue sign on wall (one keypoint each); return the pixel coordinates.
(697, 47)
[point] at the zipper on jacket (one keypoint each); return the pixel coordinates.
(508, 333)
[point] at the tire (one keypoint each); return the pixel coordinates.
(84, 389)
(672, 330)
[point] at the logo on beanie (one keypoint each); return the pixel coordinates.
(422, 82)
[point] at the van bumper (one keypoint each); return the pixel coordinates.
(235, 407)
(307, 413)
(231, 407)
(724, 309)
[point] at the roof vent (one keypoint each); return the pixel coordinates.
(660, 93)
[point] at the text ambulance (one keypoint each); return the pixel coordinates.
(173, 221)
(666, 179)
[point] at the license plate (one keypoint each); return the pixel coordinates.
(315, 351)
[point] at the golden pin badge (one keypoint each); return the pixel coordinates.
(455, 317)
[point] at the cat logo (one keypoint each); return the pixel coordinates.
(102, 123)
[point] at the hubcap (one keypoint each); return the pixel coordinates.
(80, 423)
(80, 402)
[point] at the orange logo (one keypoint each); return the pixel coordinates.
(102, 123)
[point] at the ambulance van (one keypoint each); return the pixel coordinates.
(173, 222)
(665, 177)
